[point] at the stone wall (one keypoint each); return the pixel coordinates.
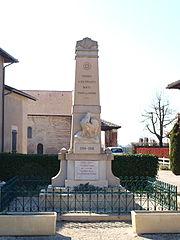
(53, 132)
(50, 102)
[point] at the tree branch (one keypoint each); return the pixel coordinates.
(158, 118)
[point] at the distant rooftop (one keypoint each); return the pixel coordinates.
(7, 57)
(174, 85)
(105, 125)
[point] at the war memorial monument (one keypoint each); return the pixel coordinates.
(86, 164)
(85, 161)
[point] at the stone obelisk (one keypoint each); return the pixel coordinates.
(85, 162)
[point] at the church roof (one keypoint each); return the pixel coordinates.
(175, 85)
(7, 57)
(14, 90)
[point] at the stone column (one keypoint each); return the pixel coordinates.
(86, 91)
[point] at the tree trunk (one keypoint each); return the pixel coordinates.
(160, 142)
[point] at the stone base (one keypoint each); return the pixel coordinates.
(108, 200)
(71, 183)
(78, 169)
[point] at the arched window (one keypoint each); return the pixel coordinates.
(40, 148)
(14, 141)
(29, 132)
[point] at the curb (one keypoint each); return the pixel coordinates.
(93, 217)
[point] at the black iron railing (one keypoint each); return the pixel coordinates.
(8, 193)
(134, 194)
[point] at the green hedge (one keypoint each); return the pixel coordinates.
(28, 165)
(32, 165)
(175, 149)
(135, 165)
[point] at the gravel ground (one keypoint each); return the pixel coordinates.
(169, 177)
(96, 231)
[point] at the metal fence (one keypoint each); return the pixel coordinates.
(140, 193)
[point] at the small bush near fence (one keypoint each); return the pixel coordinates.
(47, 166)
(28, 165)
(175, 150)
(135, 165)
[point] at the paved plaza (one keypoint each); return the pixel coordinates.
(169, 177)
(96, 231)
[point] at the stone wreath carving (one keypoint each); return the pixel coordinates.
(90, 129)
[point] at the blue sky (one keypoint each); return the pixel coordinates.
(138, 51)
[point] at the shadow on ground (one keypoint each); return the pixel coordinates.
(55, 237)
(167, 236)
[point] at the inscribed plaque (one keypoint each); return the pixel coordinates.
(87, 148)
(86, 170)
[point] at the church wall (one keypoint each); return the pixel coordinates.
(15, 120)
(50, 102)
(53, 132)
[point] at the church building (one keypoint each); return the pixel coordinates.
(34, 121)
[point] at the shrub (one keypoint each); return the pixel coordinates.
(28, 165)
(47, 166)
(135, 165)
(175, 150)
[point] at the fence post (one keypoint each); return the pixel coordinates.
(176, 207)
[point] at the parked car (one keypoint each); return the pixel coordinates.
(116, 150)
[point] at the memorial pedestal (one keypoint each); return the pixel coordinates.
(98, 183)
(77, 169)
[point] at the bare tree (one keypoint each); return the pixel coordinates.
(158, 118)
